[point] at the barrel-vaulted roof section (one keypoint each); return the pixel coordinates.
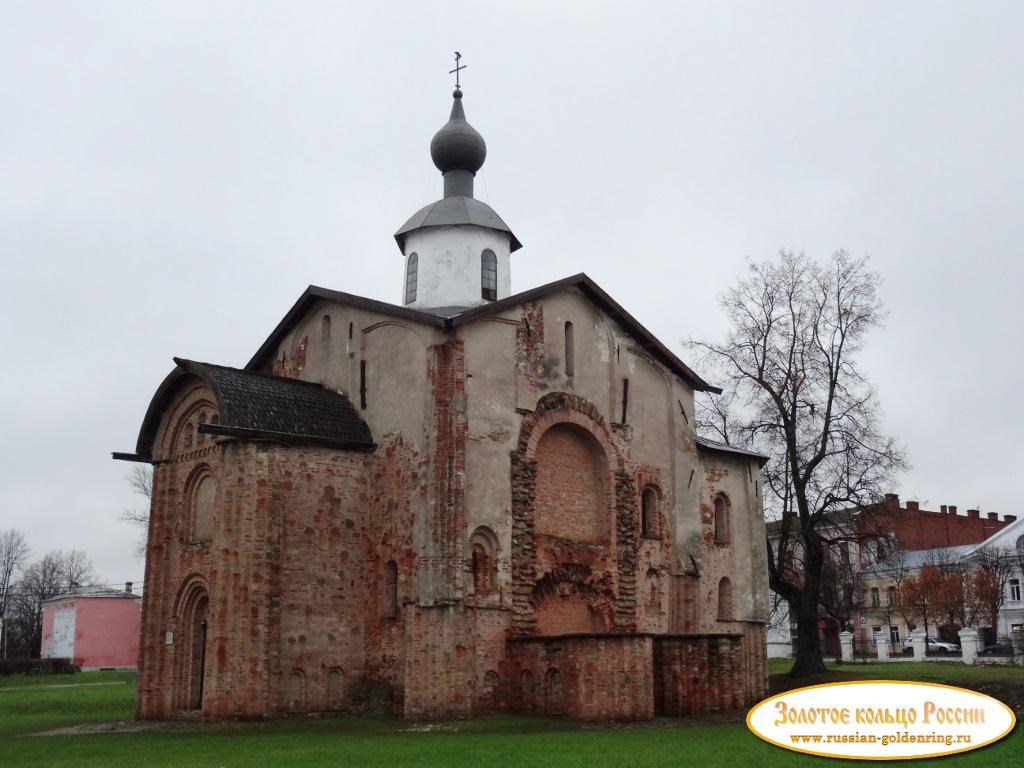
(260, 406)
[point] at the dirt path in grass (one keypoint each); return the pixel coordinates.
(120, 726)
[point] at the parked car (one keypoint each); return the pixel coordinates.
(1001, 648)
(935, 644)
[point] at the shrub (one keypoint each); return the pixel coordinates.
(38, 667)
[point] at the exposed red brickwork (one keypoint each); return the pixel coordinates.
(572, 497)
(589, 678)
(448, 379)
(701, 674)
(337, 580)
(292, 578)
(529, 353)
(292, 365)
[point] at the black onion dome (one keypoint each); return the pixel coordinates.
(458, 146)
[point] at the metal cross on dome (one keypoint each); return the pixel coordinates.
(457, 69)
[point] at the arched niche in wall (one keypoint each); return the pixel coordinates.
(572, 499)
(649, 512)
(483, 547)
(725, 606)
(201, 503)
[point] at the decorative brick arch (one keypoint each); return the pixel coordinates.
(618, 609)
(561, 408)
(576, 581)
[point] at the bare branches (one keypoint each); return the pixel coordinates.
(141, 481)
(793, 391)
(54, 574)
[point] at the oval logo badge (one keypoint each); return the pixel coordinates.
(881, 720)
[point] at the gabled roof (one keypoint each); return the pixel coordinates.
(315, 293)
(707, 444)
(645, 339)
(260, 406)
(454, 211)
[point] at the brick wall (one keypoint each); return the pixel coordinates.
(590, 678)
(293, 571)
(572, 500)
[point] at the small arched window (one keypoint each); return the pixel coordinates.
(725, 600)
(570, 352)
(390, 590)
(722, 519)
(483, 548)
(649, 513)
(325, 328)
(488, 275)
(411, 278)
(482, 582)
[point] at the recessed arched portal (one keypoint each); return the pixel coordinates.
(193, 622)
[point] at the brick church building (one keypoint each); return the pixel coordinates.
(464, 503)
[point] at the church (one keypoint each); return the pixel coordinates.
(469, 502)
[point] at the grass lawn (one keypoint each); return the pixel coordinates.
(32, 705)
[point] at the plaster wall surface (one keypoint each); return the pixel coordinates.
(449, 265)
(101, 631)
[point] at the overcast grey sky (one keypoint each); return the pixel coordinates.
(174, 174)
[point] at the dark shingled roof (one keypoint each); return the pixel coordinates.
(260, 406)
(708, 444)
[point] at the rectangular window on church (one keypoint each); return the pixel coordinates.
(362, 384)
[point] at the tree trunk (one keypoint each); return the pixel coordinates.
(808, 659)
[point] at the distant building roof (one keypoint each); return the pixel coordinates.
(834, 517)
(88, 591)
(915, 558)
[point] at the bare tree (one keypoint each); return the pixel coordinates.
(141, 481)
(790, 358)
(921, 596)
(896, 571)
(13, 554)
(986, 590)
(55, 574)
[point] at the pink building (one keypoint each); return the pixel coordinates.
(97, 627)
